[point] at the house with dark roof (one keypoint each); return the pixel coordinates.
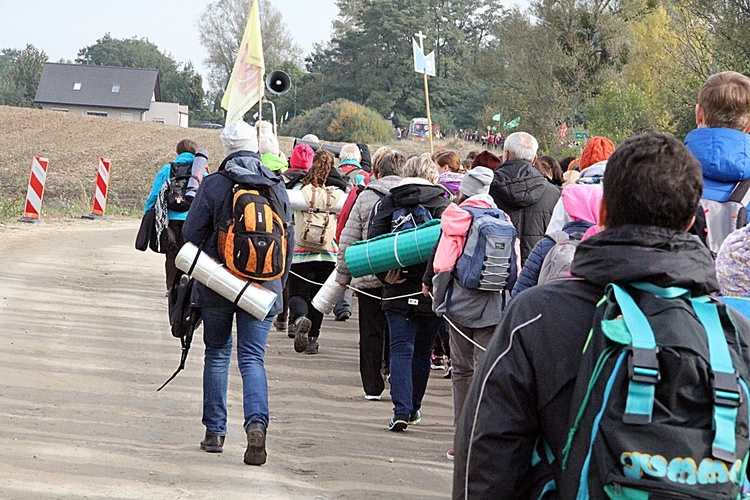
(131, 94)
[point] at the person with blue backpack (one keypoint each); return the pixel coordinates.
(627, 380)
(411, 323)
(475, 265)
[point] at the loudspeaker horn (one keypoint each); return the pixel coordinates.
(278, 82)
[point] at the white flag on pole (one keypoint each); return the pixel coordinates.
(423, 64)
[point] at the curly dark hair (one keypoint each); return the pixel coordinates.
(652, 179)
(321, 167)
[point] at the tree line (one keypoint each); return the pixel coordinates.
(612, 67)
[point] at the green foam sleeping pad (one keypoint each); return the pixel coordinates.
(393, 251)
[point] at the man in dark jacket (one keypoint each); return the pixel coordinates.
(412, 324)
(242, 165)
(522, 391)
(522, 192)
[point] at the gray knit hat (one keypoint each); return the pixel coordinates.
(476, 181)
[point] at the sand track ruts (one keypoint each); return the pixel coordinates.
(84, 343)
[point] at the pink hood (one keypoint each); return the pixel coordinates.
(581, 202)
(455, 223)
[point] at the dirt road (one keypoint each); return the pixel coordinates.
(84, 343)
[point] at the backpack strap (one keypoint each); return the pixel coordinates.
(643, 365)
(727, 392)
(559, 236)
(740, 191)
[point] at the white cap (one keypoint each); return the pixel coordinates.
(239, 136)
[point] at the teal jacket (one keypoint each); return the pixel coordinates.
(162, 176)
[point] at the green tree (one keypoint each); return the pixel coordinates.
(179, 82)
(20, 72)
(619, 112)
(342, 121)
(369, 59)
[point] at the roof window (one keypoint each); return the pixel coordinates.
(115, 89)
(76, 86)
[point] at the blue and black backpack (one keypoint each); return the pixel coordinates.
(660, 405)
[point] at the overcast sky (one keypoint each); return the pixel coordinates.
(62, 27)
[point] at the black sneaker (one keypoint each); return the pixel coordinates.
(255, 454)
(312, 345)
(415, 418)
(212, 443)
(398, 423)
(300, 329)
(343, 316)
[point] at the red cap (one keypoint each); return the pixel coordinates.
(486, 159)
(302, 157)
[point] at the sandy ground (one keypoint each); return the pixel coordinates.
(84, 343)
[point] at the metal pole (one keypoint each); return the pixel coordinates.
(260, 107)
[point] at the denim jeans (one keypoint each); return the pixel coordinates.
(252, 335)
(411, 343)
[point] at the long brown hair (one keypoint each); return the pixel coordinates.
(321, 167)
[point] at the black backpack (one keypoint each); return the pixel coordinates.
(660, 405)
(177, 189)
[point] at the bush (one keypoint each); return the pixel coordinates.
(342, 121)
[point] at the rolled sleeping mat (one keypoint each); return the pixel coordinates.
(200, 165)
(335, 150)
(393, 251)
(330, 293)
(256, 300)
(297, 200)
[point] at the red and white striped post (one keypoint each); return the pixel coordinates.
(36, 190)
(102, 186)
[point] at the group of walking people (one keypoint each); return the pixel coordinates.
(551, 238)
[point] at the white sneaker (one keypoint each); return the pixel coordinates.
(372, 397)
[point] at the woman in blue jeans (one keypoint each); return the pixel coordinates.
(241, 166)
(411, 323)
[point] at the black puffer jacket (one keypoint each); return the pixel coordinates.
(525, 389)
(407, 195)
(523, 193)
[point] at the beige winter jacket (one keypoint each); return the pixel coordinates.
(356, 229)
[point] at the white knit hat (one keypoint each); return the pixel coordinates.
(239, 136)
(269, 144)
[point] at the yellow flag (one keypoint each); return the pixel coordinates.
(245, 86)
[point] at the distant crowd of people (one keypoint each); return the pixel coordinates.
(590, 312)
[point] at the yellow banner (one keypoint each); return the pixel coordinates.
(245, 86)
